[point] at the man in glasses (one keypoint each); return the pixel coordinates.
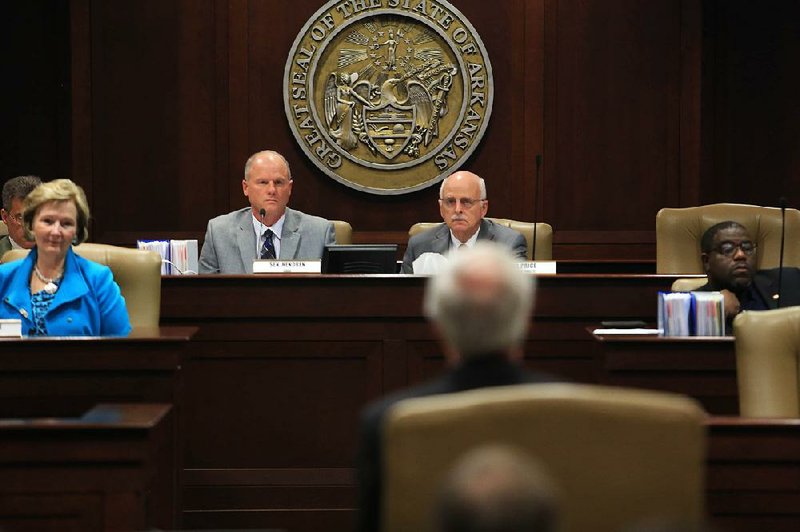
(729, 258)
(14, 192)
(463, 206)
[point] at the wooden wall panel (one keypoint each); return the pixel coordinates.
(612, 140)
(634, 106)
(751, 108)
(153, 118)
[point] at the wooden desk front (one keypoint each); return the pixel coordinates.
(108, 470)
(701, 367)
(65, 377)
(753, 474)
(281, 366)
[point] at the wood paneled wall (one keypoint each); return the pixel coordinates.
(634, 105)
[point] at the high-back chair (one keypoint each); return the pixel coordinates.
(618, 455)
(768, 362)
(544, 234)
(688, 284)
(136, 271)
(678, 234)
(344, 232)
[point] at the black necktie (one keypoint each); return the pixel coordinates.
(268, 249)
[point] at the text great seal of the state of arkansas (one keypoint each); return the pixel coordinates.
(388, 96)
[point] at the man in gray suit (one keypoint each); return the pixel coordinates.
(14, 192)
(463, 205)
(267, 229)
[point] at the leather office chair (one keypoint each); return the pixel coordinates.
(678, 234)
(544, 235)
(344, 232)
(768, 362)
(688, 284)
(137, 272)
(618, 455)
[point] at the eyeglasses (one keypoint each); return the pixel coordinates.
(467, 203)
(16, 217)
(729, 248)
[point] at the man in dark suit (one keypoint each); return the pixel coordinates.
(14, 192)
(729, 256)
(480, 305)
(463, 206)
(267, 229)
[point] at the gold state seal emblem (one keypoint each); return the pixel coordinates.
(388, 96)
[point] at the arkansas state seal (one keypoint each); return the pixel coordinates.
(388, 96)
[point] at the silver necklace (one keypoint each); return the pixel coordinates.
(50, 285)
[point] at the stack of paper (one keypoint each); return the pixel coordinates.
(183, 254)
(10, 328)
(709, 313)
(673, 313)
(178, 257)
(162, 248)
(691, 314)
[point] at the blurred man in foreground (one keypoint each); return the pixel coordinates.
(480, 305)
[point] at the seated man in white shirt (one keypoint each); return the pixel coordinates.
(463, 205)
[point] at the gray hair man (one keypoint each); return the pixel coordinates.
(463, 205)
(480, 305)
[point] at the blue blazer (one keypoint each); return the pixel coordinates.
(88, 301)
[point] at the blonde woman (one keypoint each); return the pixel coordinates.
(54, 291)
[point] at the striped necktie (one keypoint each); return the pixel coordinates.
(268, 249)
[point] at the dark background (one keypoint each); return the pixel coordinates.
(154, 105)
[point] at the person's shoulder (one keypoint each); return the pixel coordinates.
(93, 269)
(774, 273)
(377, 409)
(502, 230)
(305, 217)
(541, 377)
(230, 217)
(8, 267)
(428, 234)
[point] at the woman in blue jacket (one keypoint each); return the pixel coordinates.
(54, 291)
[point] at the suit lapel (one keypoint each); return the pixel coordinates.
(246, 241)
(290, 236)
(766, 288)
(441, 240)
(485, 231)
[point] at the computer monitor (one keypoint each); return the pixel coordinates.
(360, 258)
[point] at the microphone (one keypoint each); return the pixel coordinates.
(180, 272)
(261, 214)
(783, 239)
(536, 203)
